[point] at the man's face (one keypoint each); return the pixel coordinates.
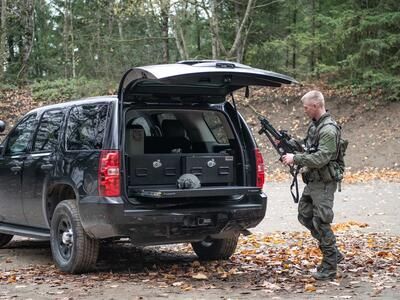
(310, 109)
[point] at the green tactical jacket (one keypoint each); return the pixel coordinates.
(326, 141)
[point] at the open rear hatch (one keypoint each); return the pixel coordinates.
(208, 81)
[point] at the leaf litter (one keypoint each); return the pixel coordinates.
(280, 262)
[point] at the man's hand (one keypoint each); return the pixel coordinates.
(275, 141)
(287, 159)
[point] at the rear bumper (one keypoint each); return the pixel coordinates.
(112, 217)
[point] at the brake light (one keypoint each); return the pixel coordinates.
(260, 174)
(109, 176)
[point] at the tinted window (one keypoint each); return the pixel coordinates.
(214, 122)
(48, 131)
(20, 137)
(86, 125)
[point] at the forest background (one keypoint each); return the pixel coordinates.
(72, 48)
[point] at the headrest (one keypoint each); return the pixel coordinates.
(134, 126)
(173, 128)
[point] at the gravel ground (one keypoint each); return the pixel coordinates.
(374, 203)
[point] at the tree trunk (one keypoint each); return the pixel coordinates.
(3, 38)
(71, 26)
(27, 12)
(214, 26)
(180, 40)
(164, 32)
(313, 25)
(242, 48)
(294, 45)
(237, 7)
(240, 36)
(242, 29)
(66, 38)
(198, 30)
(319, 48)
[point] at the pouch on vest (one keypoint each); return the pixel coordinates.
(325, 174)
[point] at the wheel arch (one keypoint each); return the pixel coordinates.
(54, 194)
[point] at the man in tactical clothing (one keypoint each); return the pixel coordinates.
(315, 206)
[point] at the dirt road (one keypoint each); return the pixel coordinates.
(124, 272)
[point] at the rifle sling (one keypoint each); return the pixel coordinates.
(294, 172)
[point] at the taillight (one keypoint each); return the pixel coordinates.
(109, 173)
(260, 174)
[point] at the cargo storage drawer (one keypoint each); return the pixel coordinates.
(150, 169)
(210, 168)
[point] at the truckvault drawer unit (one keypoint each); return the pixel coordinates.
(210, 168)
(150, 169)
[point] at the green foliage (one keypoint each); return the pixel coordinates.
(7, 86)
(347, 42)
(384, 81)
(68, 89)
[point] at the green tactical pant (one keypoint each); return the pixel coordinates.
(316, 214)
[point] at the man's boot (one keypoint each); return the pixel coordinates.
(339, 259)
(329, 263)
(325, 274)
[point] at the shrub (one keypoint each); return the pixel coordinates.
(68, 89)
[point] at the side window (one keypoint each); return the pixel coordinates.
(214, 123)
(86, 126)
(19, 139)
(48, 131)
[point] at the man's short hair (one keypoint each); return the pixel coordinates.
(314, 96)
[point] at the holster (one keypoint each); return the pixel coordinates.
(335, 171)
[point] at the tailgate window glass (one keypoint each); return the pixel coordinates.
(48, 131)
(214, 123)
(86, 126)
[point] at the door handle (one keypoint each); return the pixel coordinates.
(46, 166)
(16, 169)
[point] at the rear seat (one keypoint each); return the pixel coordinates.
(176, 137)
(155, 144)
(173, 141)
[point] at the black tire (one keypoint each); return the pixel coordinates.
(215, 249)
(5, 239)
(73, 250)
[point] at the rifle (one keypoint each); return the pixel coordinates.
(280, 141)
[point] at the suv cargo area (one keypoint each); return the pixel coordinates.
(162, 145)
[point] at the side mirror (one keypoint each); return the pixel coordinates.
(2, 126)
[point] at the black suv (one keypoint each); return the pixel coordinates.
(168, 160)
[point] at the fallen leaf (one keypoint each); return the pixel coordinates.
(200, 276)
(310, 288)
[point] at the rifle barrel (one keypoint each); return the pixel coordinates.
(268, 127)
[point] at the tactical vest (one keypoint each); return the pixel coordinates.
(334, 170)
